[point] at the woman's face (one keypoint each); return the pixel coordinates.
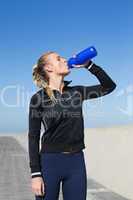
(57, 64)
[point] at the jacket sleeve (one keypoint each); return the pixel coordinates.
(34, 135)
(106, 86)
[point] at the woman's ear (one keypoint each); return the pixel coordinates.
(48, 67)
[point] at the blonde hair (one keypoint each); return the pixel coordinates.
(40, 77)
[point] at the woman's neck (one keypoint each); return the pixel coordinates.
(56, 84)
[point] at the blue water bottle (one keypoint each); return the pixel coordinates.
(82, 57)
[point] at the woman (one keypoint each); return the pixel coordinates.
(58, 106)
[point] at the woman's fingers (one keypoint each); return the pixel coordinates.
(78, 66)
(43, 188)
(82, 65)
(38, 192)
(37, 186)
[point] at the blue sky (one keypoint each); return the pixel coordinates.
(30, 28)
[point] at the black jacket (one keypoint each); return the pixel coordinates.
(63, 121)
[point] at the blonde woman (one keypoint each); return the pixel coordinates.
(58, 107)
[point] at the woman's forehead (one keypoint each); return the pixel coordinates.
(53, 55)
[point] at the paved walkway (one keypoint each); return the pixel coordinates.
(15, 176)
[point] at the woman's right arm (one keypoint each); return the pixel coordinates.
(34, 135)
(33, 144)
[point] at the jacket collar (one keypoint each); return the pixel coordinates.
(67, 82)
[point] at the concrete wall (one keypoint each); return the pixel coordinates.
(109, 157)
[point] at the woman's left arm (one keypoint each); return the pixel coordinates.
(106, 86)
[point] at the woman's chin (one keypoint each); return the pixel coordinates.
(67, 72)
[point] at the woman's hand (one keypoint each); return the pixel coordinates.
(83, 65)
(37, 185)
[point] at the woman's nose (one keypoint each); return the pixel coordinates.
(64, 60)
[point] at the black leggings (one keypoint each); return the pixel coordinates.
(66, 167)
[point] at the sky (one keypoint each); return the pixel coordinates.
(30, 28)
